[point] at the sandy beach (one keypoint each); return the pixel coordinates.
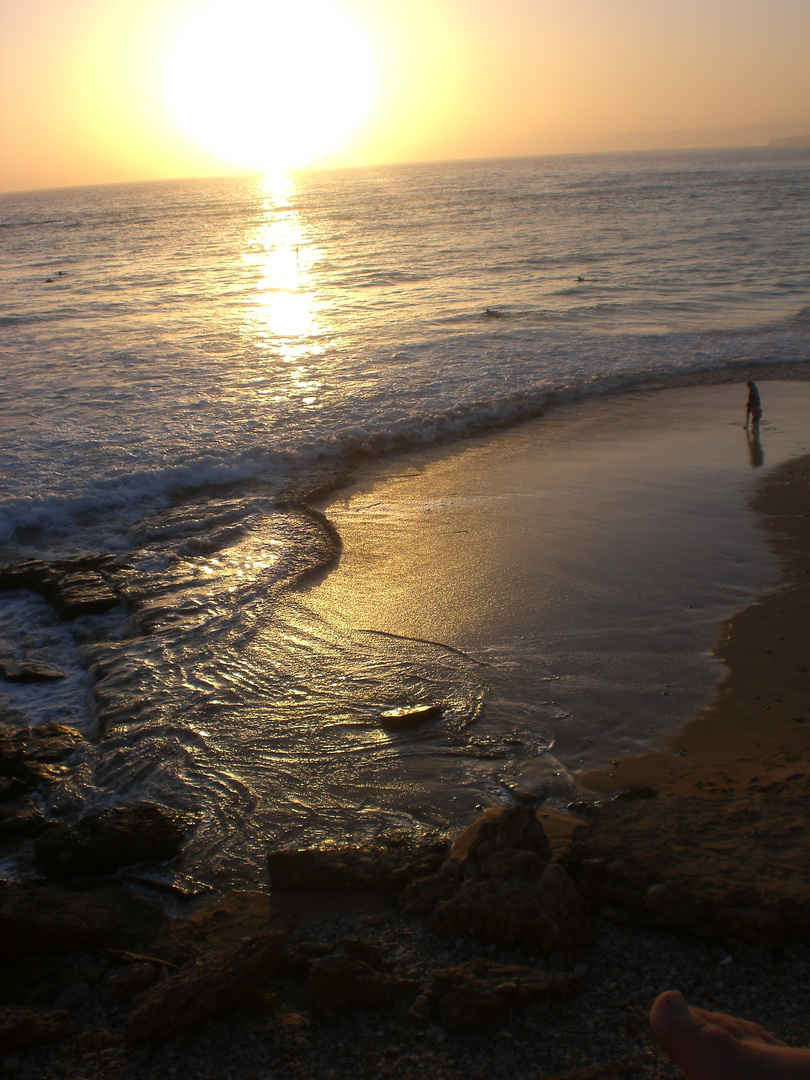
(593, 552)
(697, 872)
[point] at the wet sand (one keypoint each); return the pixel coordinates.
(603, 544)
(756, 727)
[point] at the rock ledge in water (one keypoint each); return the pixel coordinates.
(106, 840)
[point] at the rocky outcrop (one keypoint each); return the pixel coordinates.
(206, 988)
(675, 862)
(77, 587)
(339, 982)
(506, 891)
(31, 759)
(21, 818)
(49, 920)
(105, 840)
(28, 671)
(22, 1028)
(383, 868)
(539, 915)
(482, 994)
(36, 754)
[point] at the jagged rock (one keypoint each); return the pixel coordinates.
(51, 919)
(74, 587)
(632, 794)
(337, 982)
(509, 845)
(538, 915)
(106, 840)
(94, 1040)
(27, 671)
(421, 897)
(33, 574)
(129, 981)
(297, 961)
(352, 869)
(224, 922)
(13, 787)
(23, 1028)
(47, 743)
(674, 862)
(534, 781)
(83, 593)
(483, 994)
(23, 817)
(207, 988)
(73, 997)
(515, 829)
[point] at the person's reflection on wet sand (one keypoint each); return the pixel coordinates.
(755, 451)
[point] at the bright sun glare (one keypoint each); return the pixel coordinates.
(267, 84)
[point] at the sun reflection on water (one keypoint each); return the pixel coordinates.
(285, 314)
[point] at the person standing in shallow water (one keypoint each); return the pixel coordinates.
(713, 1046)
(753, 407)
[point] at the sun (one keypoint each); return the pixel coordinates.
(267, 84)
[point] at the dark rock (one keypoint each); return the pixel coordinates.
(421, 897)
(83, 593)
(94, 1040)
(74, 588)
(583, 808)
(534, 781)
(73, 996)
(21, 818)
(635, 793)
(106, 840)
(223, 923)
(48, 744)
(23, 1028)
(352, 869)
(483, 994)
(297, 961)
(13, 788)
(539, 916)
(28, 671)
(337, 982)
(205, 989)
(508, 847)
(675, 862)
(129, 981)
(517, 829)
(34, 575)
(364, 951)
(50, 920)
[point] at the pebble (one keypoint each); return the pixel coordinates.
(621, 976)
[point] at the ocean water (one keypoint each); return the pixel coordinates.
(185, 362)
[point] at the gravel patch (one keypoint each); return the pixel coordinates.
(272, 1037)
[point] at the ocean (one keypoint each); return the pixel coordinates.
(186, 362)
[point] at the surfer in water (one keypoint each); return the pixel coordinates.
(753, 407)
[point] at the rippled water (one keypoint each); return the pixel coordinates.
(183, 361)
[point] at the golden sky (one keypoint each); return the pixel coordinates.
(95, 91)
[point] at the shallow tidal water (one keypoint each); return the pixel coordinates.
(184, 362)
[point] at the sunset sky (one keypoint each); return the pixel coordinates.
(95, 91)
